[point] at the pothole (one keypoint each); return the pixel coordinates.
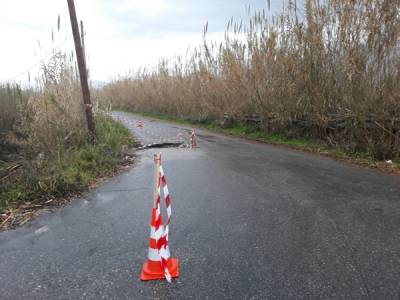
(163, 145)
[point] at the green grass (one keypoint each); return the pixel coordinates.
(69, 171)
(251, 132)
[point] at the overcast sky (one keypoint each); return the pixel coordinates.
(121, 34)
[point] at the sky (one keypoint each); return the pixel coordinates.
(120, 35)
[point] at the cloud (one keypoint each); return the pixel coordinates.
(119, 56)
(121, 34)
(144, 8)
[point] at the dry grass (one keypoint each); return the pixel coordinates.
(46, 118)
(45, 152)
(328, 70)
(58, 119)
(13, 104)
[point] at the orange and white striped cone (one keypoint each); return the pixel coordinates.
(152, 268)
(180, 136)
(159, 264)
(193, 139)
(139, 124)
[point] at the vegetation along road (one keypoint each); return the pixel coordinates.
(250, 221)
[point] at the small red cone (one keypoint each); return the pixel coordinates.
(193, 139)
(180, 136)
(139, 124)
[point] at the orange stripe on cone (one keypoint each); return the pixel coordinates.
(153, 270)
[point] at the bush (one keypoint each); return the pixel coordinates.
(69, 170)
(52, 156)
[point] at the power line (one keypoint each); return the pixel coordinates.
(40, 61)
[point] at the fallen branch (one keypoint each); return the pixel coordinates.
(10, 171)
(5, 221)
(385, 129)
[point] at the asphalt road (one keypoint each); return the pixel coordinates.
(250, 221)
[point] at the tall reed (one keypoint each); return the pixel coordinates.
(13, 108)
(328, 69)
(57, 109)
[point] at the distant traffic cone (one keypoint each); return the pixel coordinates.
(139, 124)
(180, 136)
(193, 139)
(159, 264)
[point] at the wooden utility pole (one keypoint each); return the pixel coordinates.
(83, 42)
(83, 48)
(82, 72)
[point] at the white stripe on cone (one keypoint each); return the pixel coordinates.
(154, 254)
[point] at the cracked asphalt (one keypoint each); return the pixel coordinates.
(250, 221)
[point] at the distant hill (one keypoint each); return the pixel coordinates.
(97, 84)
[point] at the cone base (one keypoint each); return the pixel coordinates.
(152, 270)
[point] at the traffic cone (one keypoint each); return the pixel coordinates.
(159, 264)
(152, 268)
(193, 139)
(180, 136)
(139, 124)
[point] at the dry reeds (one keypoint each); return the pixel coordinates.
(57, 110)
(329, 70)
(13, 107)
(44, 119)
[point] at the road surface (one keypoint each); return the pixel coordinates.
(250, 221)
